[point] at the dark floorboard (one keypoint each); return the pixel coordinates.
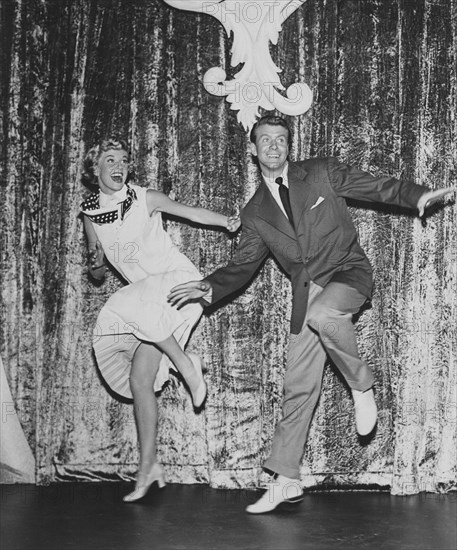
(92, 516)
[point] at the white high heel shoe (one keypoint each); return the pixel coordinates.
(144, 482)
(198, 395)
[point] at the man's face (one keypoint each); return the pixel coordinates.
(271, 148)
(112, 170)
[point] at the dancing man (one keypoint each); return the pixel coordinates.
(299, 215)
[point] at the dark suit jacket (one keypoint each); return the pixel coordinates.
(324, 245)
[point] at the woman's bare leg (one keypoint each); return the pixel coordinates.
(188, 365)
(145, 366)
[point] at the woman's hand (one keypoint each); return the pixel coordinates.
(97, 267)
(96, 256)
(233, 223)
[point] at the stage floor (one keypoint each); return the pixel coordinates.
(92, 516)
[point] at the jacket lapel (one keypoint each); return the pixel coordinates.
(298, 192)
(270, 212)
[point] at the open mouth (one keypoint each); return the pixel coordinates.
(117, 177)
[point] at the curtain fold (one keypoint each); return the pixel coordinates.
(17, 464)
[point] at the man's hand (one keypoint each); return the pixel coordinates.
(191, 291)
(432, 197)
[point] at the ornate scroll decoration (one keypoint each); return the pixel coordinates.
(254, 23)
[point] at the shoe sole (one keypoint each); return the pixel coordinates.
(294, 500)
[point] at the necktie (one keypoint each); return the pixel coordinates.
(284, 195)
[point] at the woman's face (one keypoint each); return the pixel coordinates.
(112, 170)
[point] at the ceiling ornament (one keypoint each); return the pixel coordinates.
(254, 25)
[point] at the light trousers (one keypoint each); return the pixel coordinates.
(327, 329)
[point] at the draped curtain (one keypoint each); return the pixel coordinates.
(385, 95)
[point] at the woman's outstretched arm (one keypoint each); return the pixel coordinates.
(158, 201)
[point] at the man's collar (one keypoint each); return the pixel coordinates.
(283, 175)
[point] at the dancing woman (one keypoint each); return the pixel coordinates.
(139, 336)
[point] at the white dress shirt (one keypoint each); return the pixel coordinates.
(274, 187)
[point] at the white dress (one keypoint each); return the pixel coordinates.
(142, 252)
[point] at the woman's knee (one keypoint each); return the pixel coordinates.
(141, 384)
(144, 371)
(136, 382)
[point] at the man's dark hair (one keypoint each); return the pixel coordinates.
(272, 120)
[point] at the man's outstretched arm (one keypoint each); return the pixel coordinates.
(250, 254)
(351, 182)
